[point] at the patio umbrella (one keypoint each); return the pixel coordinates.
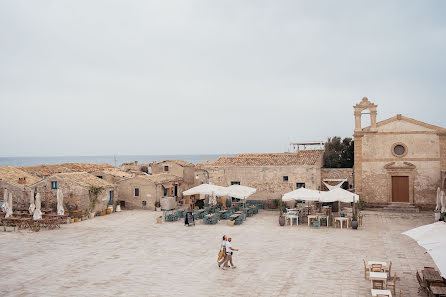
(240, 192)
(9, 210)
(32, 206)
(60, 210)
(443, 201)
(302, 194)
(206, 189)
(37, 213)
(340, 195)
(5, 200)
(433, 238)
(438, 207)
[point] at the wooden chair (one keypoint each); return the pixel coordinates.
(378, 285)
(376, 268)
(389, 271)
(391, 282)
(422, 284)
(365, 269)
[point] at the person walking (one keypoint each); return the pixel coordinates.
(222, 254)
(229, 252)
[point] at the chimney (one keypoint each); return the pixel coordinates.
(22, 180)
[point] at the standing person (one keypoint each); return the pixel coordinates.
(222, 253)
(229, 251)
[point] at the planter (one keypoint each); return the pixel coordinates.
(71, 220)
(231, 223)
(84, 218)
(76, 220)
(118, 208)
(437, 215)
(355, 224)
(282, 221)
(108, 211)
(158, 208)
(91, 215)
(159, 220)
(102, 213)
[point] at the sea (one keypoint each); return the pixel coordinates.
(113, 160)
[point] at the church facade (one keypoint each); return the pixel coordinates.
(398, 160)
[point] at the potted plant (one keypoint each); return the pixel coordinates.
(355, 223)
(281, 216)
(157, 206)
(118, 206)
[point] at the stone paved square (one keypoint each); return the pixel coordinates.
(128, 254)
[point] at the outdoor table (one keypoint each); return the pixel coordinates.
(378, 276)
(238, 212)
(342, 220)
(233, 217)
(437, 291)
(209, 215)
(381, 292)
(383, 264)
(292, 217)
(431, 276)
(201, 210)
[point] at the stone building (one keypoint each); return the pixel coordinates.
(76, 188)
(398, 160)
(17, 182)
(48, 170)
(272, 174)
(142, 191)
(180, 168)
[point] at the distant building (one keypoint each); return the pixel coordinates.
(111, 175)
(142, 191)
(398, 160)
(47, 170)
(272, 174)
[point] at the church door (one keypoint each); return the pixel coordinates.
(400, 189)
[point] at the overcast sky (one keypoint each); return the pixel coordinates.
(191, 77)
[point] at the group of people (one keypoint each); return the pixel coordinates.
(225, 254)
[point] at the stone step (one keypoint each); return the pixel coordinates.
(404, 208)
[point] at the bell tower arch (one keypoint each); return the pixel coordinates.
(365, 105)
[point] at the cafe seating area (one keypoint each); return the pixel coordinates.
(383, 280)
(318, 215)
(431, 283)
(22, 219)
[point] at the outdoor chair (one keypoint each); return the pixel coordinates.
(378, 285)
(376, 268)
(422, 284)
(389, 272)
(238, 220)
(366, 269)
(391, 282)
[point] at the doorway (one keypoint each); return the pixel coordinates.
(400, 189)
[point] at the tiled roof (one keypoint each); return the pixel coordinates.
(11, 175)
(303, 157)
(161, 178)
(84, 179)
(113, 171)
(180, 162)
(47, 170)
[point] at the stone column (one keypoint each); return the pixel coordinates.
(373, 114)
(357, 119)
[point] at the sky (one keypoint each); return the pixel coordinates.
(210, 77)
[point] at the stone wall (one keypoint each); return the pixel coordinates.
(147, 192)
(268, 180)
(337, 173)
(73, 194)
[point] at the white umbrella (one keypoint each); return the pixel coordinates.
(37, 213)
(5, 200)
(240, 192)
(433, 238)
(443, 201)
(302, 194)
(9, 210)
(340, 195)
(60, 210)
(32, 206)
(206, 189)
(438, 207)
